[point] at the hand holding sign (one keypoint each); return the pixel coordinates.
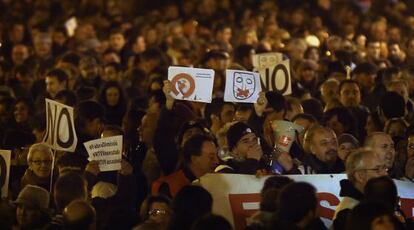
(167, 89)
(191, 84)
(106, 151)
(242, 86)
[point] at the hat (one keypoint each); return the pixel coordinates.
(34, 197)
(348, 138)
(103, 190)
(236, 132)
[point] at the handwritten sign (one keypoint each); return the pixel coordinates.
(60, 131)
(191, 84)
(106, 151)
(277, 78)
(242, 86)
(266, 60)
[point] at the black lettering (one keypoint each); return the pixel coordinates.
(285, 75)
(69, 142)
(3, 172)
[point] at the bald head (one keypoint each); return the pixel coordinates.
(79, 214)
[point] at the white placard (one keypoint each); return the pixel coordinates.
(277, 78)
(242, 86)
(191, 84)
(71, 24)
(265, 60)
(5, 156)
(60, 131)
(238, 196)
(106, 151)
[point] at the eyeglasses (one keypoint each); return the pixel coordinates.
(39, 162)
(378, 169)
(157, 212)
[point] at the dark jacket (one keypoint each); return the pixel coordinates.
(312, 165)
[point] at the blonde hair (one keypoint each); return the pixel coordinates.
(39, 147)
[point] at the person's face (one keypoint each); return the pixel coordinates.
(245, 144)
(227, 113)
(112, 96)
(372, 167)
(43, 48)
(21, 112)
(350, 95)
(308, 75)
(242, 116)
(365, 80)
(53, 86)
(335, 125)
(26, 216)
(88, 71)
(17, 33)
(395, 50)
(41, 164)
(329, 91)
(344, 150)
(384, 149)
(208, 159)
(139, 45)
(159, 212)
(59, 38)
(325, 146)
(19, 54)
(410, 147)
(374, 50)
(117, 41)
(110, 74)
(226, 35)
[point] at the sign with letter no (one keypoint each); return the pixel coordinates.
(60, 128)
(277, 78)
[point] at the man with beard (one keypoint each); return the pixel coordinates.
(321, 145)
(383, 147)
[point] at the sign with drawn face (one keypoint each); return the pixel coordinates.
(191, 84)
(265, 60)
(242, 86)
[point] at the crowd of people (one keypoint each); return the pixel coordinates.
(352, 74)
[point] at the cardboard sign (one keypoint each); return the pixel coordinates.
(237, 197)
(5, 156)
(191, 84)
(60, 131)
(277, 78)
(107, 151)
(266, 60)
(242, 86)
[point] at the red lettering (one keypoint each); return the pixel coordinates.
(331, 199)
(407, 206)
(239, 213)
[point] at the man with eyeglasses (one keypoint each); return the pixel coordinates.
(383, 146)
(361, 166)
(321, 145)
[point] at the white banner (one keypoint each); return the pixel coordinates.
(242, 86)
(5, 156)
(237, 197)
(191, 84)
(60, 131)
(277, 78)
(106, 151)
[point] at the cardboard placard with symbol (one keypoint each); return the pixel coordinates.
(265, 60)
(242, 86)
(191, 84)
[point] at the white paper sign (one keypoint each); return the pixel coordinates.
(60, 131)
(71, 24)
(265, 60)
(5, 156)
(191, 84)
(237, 197)
(277, 78)
(242, 86)
(106, 151)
